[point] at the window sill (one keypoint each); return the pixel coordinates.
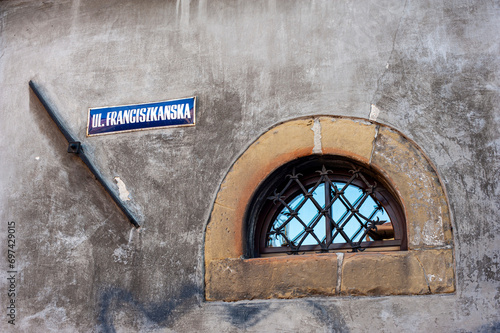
(360, 274)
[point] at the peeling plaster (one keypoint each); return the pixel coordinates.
(431, 277)
(122, 189)
(374, 112)
(316, 128)
(122, 254)
(433, 233)
(130, 235)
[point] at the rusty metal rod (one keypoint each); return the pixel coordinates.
(76, 148)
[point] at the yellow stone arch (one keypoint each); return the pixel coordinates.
(427, 266)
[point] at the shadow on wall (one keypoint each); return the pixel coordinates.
(486, 328)
(112, 300)
(163, 314)
(242, 315)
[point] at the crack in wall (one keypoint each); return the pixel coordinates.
(394, 37)
(223, 206)
(373, 143)
(425, 275)
(340, 261)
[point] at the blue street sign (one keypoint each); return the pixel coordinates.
(126, 118)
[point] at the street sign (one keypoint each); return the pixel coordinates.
(126, 118)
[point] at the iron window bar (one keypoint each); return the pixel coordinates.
(333, 229)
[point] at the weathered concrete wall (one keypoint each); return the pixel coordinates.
(430, 68)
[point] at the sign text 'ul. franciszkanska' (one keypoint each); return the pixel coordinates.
(125, 118)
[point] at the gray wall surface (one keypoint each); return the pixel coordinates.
(432, 68)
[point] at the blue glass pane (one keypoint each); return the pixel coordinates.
(292, 230)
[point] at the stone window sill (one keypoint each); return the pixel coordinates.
(360, 274)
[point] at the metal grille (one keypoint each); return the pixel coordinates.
(328, 212)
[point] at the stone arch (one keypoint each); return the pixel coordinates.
(427, 266)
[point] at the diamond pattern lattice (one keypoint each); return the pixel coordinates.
(328, 212)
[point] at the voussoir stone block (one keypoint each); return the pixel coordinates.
(347, 137)
(278, 146)
(427, 215)
(285, 142)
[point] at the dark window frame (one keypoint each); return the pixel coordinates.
(262, 211)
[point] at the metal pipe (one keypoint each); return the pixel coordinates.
(76, 148)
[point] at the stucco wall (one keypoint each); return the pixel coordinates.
(430, 68)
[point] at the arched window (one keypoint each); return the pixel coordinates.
(359, 191)
(324, 204)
